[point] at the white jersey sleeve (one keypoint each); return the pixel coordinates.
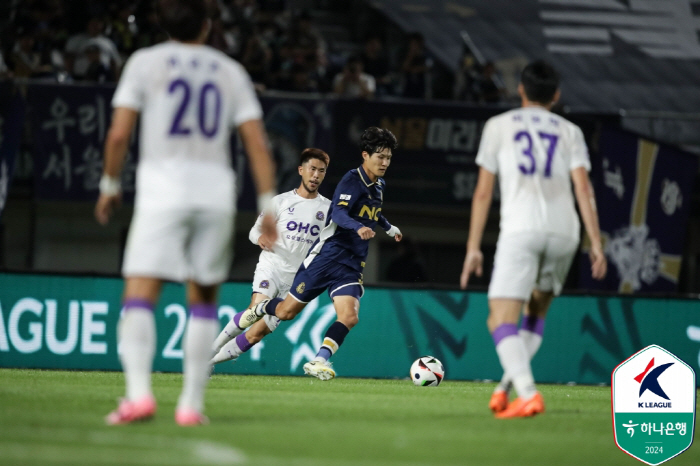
(256, 230)
(487, 157)
(130, 92)
(579, 150)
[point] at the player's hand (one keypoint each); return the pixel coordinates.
(472, 264)
(599, 264)
(398, 237)
(366, 233)
(105, 207)
(269, 232)
(265, 244)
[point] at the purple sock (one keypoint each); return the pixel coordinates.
(533, 324)
(243, 343)
(204, 311)
(503, 331)
(136, 303)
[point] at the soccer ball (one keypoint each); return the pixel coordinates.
(427, 371)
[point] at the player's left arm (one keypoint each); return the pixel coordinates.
(391, 230)
(116, 149)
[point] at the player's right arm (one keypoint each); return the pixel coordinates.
(345, 196)
(585, 198)
(255, 235)
(481, 203)
(116, 148)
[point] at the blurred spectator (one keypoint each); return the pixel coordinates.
(376, 64)
(26, 61)
(489, 87)
(124, 28)
(307, 45)
(257, 59)
(353, 82)
(77, 62)
(415, 67)
(96, 71)
(4, 70)
(297, 79)
(466, 79)
(407, 266)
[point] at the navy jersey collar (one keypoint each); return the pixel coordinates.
(365, 178)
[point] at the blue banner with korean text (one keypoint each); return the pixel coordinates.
(69, 125)
(11, 124)
(643, 190)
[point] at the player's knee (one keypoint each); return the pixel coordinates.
(284, 313)
(352, 321)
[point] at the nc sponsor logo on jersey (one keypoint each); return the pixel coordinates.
(653, 403)
(371, 213)
(301, 287)
(265, 284)
(320, 215)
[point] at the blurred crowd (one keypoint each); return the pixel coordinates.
(89, 41)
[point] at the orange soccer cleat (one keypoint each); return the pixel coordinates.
(499, 401)
(520, 408)
(132, 411)
(189, 417)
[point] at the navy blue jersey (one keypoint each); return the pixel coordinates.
(357, 203)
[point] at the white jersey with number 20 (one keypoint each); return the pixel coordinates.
(190, 97)
(532, 151)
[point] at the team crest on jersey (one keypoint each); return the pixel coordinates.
(301, 287)
(319, 215)
(265, 284)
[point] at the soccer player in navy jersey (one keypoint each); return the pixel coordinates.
(337, 259)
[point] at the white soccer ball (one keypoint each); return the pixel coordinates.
(427, 371)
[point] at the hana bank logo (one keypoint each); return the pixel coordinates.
(649, 380)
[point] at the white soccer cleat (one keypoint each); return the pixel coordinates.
(319, 369)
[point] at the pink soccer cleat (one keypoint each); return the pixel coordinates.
(132, 411)
(190, 417)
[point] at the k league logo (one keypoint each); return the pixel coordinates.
(653, 403)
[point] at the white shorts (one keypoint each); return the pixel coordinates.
(271, 282)
(529, 260)
(180, 245)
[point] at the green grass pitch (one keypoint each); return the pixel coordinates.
(56, 418)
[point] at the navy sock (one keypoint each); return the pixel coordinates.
(335, 336)
(272, 305)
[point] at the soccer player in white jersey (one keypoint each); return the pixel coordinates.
(189, 97)
(536, 155)
(301, 215)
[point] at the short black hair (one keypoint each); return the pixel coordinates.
(540, 81)
(377, 139)
(182, 19)
(314, 153)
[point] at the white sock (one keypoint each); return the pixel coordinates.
(136, 334)
(195, 366)
(228, 352)
(515, 361)
(229, 332)
(532, 342)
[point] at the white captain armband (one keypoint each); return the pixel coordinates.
(265, 204)
(393, 231)
(110, 186)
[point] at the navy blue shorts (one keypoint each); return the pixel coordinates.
(322, 274)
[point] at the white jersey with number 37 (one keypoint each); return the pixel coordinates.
(533, 151)
(189, 98)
